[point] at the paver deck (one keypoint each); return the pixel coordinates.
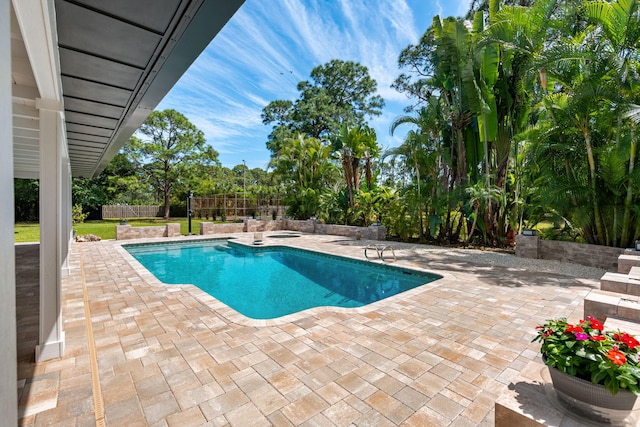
(438, 355)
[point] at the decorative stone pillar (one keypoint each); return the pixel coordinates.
(528, 246)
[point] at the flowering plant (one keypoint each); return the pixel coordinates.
(589, 352)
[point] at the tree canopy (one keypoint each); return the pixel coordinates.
(339, 92)
(526, 113)
(171, 152)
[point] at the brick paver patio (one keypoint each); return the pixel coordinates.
(438, 355)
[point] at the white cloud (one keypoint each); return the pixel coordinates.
(269, 46)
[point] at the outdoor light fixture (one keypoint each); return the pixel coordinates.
(637, 245)
(528, 232)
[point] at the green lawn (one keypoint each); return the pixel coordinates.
(106, 229)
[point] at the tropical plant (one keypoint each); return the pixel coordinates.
(352, 145)
(527, 92)
(78, 215)
(306, 168)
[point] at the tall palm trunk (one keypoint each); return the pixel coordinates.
(600, 238)
(626, 237)
(417, 167)
(346, 166)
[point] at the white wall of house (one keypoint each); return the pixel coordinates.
(8, 376)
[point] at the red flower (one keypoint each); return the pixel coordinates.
(573, 329)
(597, 325)
(617, 357)
(631, 342)
(627, 339)
(598, 338)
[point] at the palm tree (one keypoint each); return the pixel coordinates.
(305, 165)
(620, 23)
(423, 149)
(352, 144)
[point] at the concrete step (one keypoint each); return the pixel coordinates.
(621, 283)
(627, 260)
(614, 282)
(634, 273)
(603, 304)
(622, 325)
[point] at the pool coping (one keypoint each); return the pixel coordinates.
(242, 239)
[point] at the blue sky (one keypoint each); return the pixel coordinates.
(269, 46)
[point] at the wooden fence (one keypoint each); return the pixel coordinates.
(236, 205)
(129, 211)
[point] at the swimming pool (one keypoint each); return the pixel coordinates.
(270, 282)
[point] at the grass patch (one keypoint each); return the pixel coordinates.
(106, 229)
(26, 232)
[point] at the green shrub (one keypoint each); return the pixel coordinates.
(77, 215)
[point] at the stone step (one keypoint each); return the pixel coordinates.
(621, 283)
(627, 260)
(603, 304)
(614, 282)
(622, 325)
(634, 273)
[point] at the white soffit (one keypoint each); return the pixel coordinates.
(115, 61)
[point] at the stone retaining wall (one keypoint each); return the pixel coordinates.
(310, 226)
(127, 232)
(211, 228)
(307, 226)
(604, 257)
(370, 233)
(253, 225)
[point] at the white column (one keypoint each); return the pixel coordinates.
(8, 376)
(51, 338)
(66, 237)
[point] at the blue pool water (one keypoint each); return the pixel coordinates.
(268, 282)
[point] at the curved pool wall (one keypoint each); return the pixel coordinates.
(274, 281)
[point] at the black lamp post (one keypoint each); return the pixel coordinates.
(189, 208)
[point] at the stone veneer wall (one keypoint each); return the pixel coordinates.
(253, 225)
(308, 226)
(211, 228)
(604, 257)
(127, 232)
(370, 233)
